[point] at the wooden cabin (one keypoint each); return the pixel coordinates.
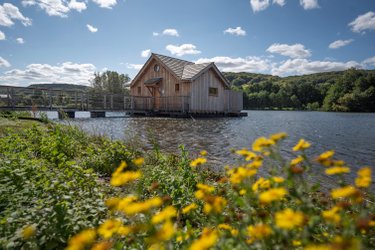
(167, 84)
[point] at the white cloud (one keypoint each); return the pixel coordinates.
(20, 40)
(4, 63)
(146, 53)
(279, 2)
(235, 31)
(304, 66)
(363, 22)
(91, 28)
(155, 33)
(170, 32)
(134, 66)
(340, 43)
(294, 51)
(309, 4)
(369, 61)
(108, 4)
(78, 6)
(2, 36)
(184, 49)
(259, 5)
(51, 7)
(66, 72)
(239, 64)
(9, 12)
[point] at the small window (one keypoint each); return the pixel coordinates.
(139, 90)
(156, 68)
(212, 91)
(177, 87)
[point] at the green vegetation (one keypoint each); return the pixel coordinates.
(53, 184)
(110, 82)
(60, 86)
(351, 90)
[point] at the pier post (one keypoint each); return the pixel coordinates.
(97, 114)
(66, 114)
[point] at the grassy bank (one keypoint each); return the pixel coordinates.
(60, 187)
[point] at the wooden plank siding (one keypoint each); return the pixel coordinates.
(201, 101)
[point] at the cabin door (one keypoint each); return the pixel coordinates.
(155, 93)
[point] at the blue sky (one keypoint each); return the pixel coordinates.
(43, 41)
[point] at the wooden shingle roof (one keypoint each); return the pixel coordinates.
(174, 64)
(192, 70)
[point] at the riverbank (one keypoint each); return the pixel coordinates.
(55, 183)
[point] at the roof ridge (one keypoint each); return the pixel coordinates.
(173, 58)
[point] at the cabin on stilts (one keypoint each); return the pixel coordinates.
(170, 86)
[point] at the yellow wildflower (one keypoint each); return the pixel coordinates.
(272, 195)
(325, 158)
(208, 239)
(79, 241)
(141, 207)
(332, 215)
(104, 245)
(205, 188)
(296, 243)
(108, 228)
(126, 177)
(297, 161)
(112, 203)
(199, 194)
(239, 174)
(261, 183)
(28, 232)
(229, 228)
(166, 231)
(337, 170)
(242, 192)
(258, 232)
(301, 145)
(198, 161)
(157, 246)
(203, 153)
(165, 214)
(364, 178)
(343, 192)
(279, 136)
(124, 230)
(257, 163)
(122, 203)
(278, 179)
(248, 155)
(319, 247)
(214, 204)
(262, 143)
(289, 219)
(120, 168)
(188, 208)
(139, 161)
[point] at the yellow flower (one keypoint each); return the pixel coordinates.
(237, 175)
(272, 195)
(208, 239)
(198, 161)
(257, 163)
(261, 183)
(279, 136)
(242, 192)
(301, 145)
(258, 232)
(296, 243)
(205, 188)
(139, 161)
(120, 168)
(122, 203)
(165, 214)
(157, 246)
(319, 247)
(104, 245)
(203, 153)
(79, 241)
(289, 219)
(120, 179)
(247, 154)
(28, 232)
(343, 192)
(262, 143)
(325, 157)
(112, 203)
(109, 228)
(124, 230)
(278, 179)
(166, 231)
(364, 178)
(214, 204)
(188, 208)
(332, 215)
(229, 228)
(297, 161)
(141, 207)
(337, 170)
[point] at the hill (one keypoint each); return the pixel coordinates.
(351, 90)
(60, 86)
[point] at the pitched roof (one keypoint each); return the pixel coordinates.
(192, 70)
(174, 64)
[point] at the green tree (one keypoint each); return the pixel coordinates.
(110, 82)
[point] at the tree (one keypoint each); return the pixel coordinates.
(110, 82)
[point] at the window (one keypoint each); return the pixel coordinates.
(212, 91)
(177, 87)
(139, 90)
(156, 68)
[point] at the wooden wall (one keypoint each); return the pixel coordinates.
(200, 100)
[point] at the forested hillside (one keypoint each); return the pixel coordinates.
(350, 90)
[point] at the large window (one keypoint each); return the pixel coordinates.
(177, 87)
(212, 91)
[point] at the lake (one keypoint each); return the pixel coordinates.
(351, 135)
